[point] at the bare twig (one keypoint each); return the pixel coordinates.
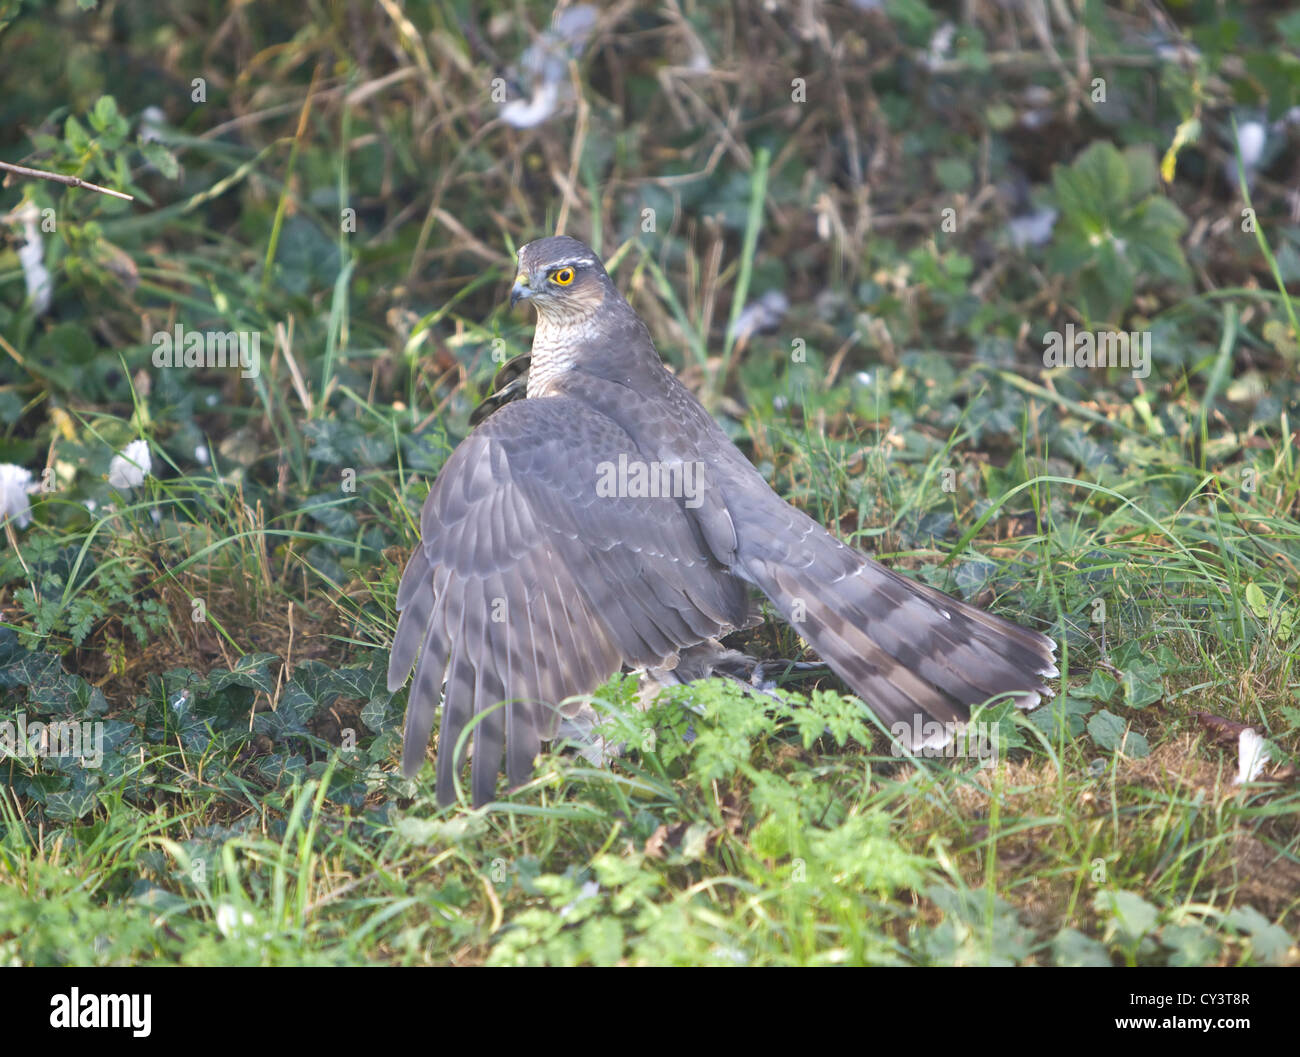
(63, 178)
(568, 188)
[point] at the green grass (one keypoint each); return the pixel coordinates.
(775, 835)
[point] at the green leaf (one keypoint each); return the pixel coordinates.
(70, 805)
(1067, 708)
(1190, 944)
(1073, 948)
(251, 670)
(1116, 229)
(1152, 239)
(1270, 942)
(1114, 279)
(1256, 600)
(64, 345)
(954, 174)
(76, 136)
(105, 113)
(1131, 916)
(1100, 686)
(1143, 685)
(161, 159)
(1288, 26)
(1108, 731)
(974, 931)
(1095, 189)
(434, 831)
(913, 18)
(109, 123)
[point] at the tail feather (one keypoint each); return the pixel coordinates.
(912, 653)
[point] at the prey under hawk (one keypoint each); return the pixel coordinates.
(606, 520)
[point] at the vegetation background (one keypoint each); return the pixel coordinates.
(851, 227)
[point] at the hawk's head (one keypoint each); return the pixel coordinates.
(562, 277)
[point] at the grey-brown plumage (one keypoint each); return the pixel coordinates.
(542, 569)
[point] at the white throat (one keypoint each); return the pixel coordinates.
(555, 348)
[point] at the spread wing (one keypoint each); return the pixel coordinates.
(532, 584)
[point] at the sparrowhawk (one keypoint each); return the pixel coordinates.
(606, 520)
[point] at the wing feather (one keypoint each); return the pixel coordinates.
(530, 586)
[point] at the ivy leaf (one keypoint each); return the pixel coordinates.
(1100, 686)
(1143, 685)
(1108, 731)
(1068, 708)
(251, 670)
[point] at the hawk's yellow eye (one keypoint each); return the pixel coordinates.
(563, 277)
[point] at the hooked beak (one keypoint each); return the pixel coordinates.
(521, 291)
